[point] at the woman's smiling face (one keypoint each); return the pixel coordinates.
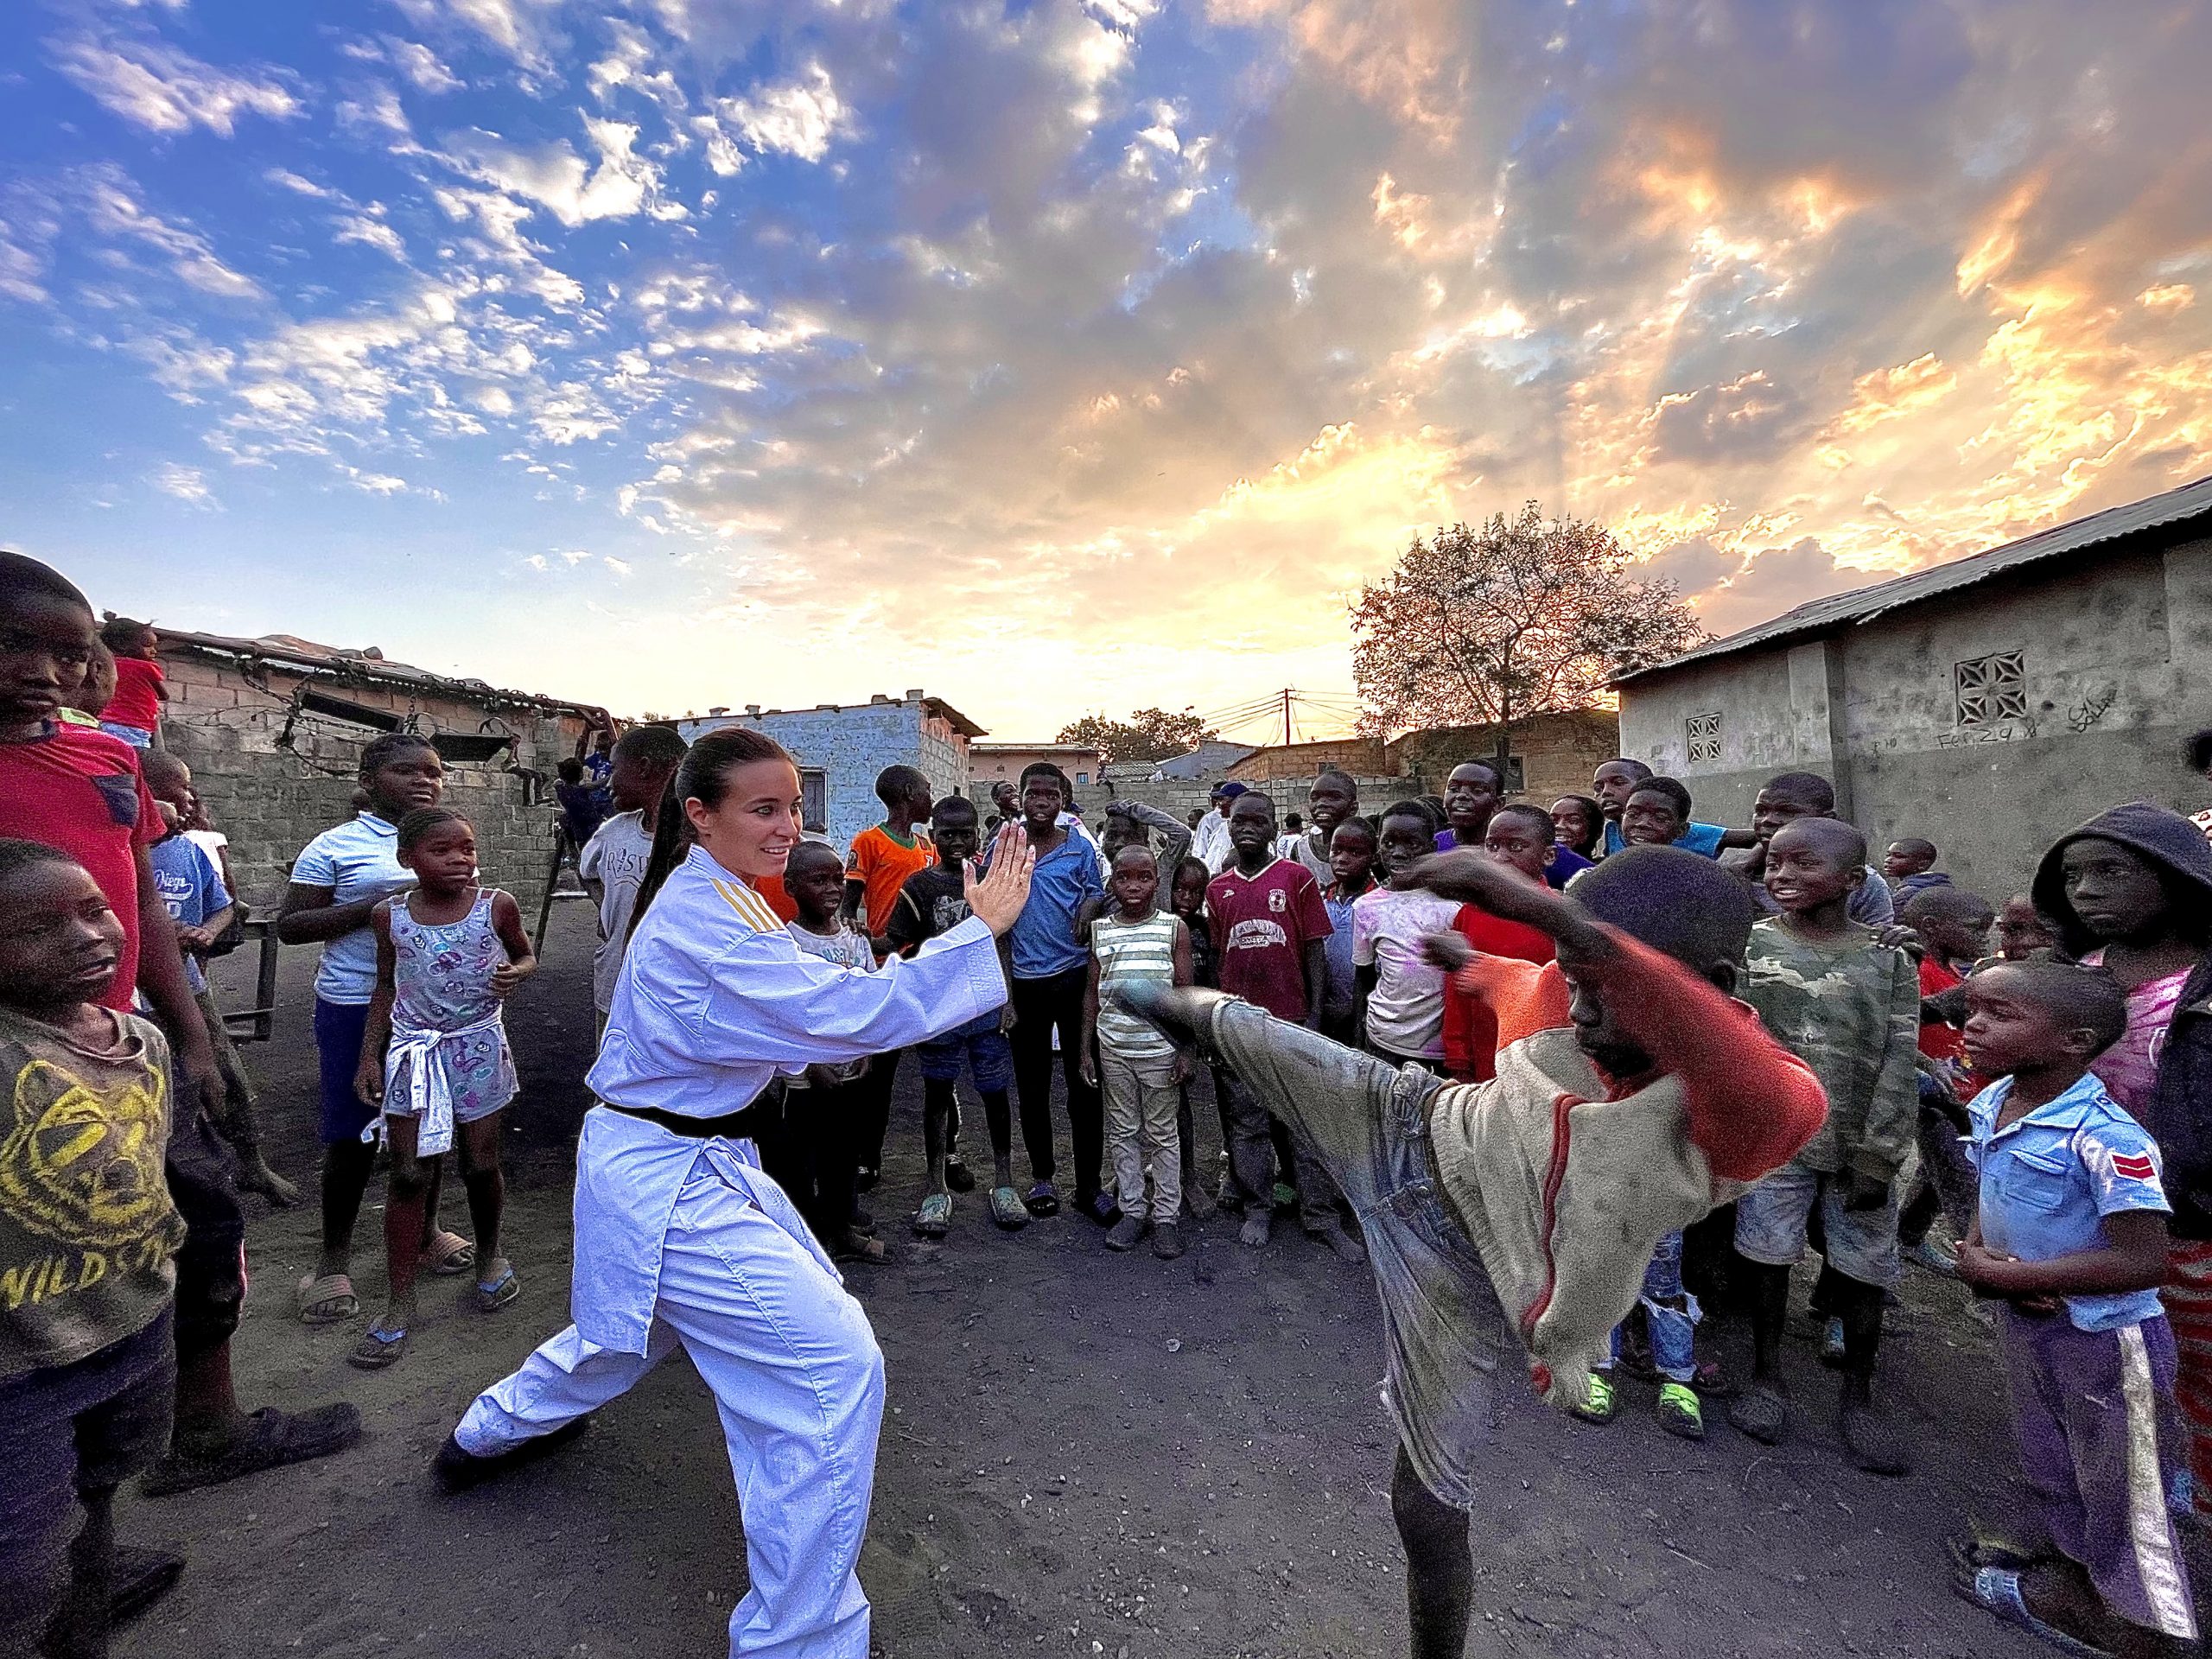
(752, 831)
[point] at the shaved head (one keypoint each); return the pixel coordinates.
(1832, 836)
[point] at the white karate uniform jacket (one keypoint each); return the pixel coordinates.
(714, 999)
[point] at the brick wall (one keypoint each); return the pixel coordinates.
(1361, 757)
(272, 799)
(1558, 752)
(1289, 795)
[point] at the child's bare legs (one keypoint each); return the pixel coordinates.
(488, 1197)
(1439, 1575)
(937, 1116)
(998, 1115)
(347, 1167)
(406, 1194)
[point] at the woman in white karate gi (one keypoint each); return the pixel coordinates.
(680, 1238)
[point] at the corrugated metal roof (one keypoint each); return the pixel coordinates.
(1864, 604)
(290, 651)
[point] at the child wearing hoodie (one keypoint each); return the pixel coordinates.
(1535, 1197)
(2131, 892)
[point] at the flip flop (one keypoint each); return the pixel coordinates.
(1997, 1589)
(378, 1349)
(270, 1439)
(1007, 1209)
(1976, 1549)
(934, 1219)
(448, 1254)
(1042, 1199)
(491, 1298)
(329, 1299)
(855, 1247)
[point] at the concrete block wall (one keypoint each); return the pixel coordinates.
(272, 800)
(2111, 642)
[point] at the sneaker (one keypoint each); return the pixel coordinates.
(1679, 1414)
(1599, 1404)
(1166, 1241)
(1871, 1439)
(1341, 1244)
(1936, 1257)
(957, 1176)
(1124, 1234)
(1762, 1411)
(1255, 1229)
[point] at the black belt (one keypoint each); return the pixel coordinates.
(748, 1123)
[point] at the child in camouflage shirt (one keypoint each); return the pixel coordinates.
(1849, 1006)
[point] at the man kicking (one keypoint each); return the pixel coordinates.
(1633, 1093)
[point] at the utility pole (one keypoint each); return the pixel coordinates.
(1286, 716)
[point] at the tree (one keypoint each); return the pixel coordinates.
(1494, 626)
(1147, 734)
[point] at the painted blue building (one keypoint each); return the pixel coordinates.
(840, 747)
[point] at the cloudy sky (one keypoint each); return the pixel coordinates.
(1056, 355)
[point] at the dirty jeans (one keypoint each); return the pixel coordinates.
(1674, 1329)
(1367, 1123)
(1142, 1099)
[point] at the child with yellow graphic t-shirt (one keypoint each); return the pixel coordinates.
(88, 1239)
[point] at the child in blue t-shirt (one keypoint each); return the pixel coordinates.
(2071, 1238)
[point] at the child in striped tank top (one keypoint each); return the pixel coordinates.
(1140, 1072)
(435, 1060)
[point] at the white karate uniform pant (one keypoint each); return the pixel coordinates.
(798, 1381)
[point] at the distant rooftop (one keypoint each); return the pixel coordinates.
(1864, 604)
(937, 705)
(368, 663)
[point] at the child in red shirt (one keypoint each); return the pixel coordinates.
(135, 711)
(1518, 837)
(1271, 930)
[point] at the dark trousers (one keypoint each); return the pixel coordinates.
(69, 1436)
(871, 1106)
(1041, 1006)
(811, 1153)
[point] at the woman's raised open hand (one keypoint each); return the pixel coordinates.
(998, 896)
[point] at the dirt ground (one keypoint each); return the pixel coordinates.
(1084, 1455)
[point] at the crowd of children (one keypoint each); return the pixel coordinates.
(1424, 997)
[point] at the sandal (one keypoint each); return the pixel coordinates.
(491, 1298)
(270, 1439)
(378, 1349)
(934, 1219)
(1997, 1589)
(1007, 1209)
(448, 1254)
(1042, 1199)
(329, 1299)
(855, 1247)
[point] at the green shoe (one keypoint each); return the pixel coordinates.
(1598, 1405)
(934, 1219)
(1680, 1414)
